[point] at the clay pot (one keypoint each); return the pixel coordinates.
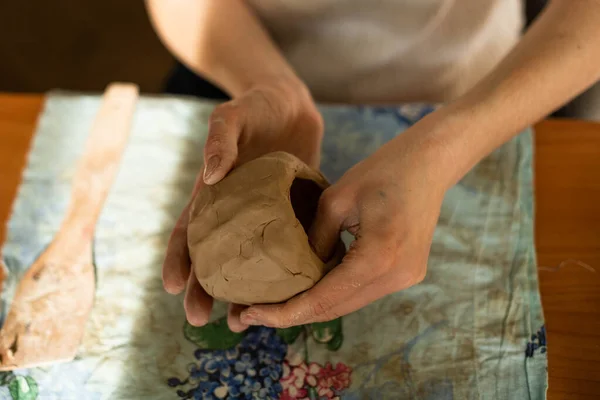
(247, 234)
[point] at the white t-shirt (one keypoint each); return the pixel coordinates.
(378, 51)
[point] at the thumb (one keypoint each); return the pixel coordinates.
(324, 232)
(221, 148)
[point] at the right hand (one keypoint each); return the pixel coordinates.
(267, 118)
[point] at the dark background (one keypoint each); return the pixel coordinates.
(79, 45)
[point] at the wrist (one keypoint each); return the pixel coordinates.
(281, 79)
(295, 100)
(285, 86)
(449, 141)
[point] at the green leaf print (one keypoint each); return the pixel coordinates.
(325, 332)
(23, 388)
(289, 335)
(213, 336)
(335, 343)
(6, 377)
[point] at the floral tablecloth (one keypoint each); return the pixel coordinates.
(472, 330)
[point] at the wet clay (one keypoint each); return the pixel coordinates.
(247, 234)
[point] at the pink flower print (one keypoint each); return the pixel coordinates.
(292, 381)
(330, 379)
(297, 379)
(312, 372)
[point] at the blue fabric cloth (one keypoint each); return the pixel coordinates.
(473, 329)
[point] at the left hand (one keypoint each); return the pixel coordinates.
(278, 115)
(390, 202)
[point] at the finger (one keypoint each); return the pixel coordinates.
(176, 265)
(197, 303)
(221, 148)
(233, 318)
(324, 233)
(343, 290)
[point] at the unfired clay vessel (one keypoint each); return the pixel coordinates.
(247, 234)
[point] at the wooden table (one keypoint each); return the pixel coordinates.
(567, 184)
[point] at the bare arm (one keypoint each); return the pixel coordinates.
(271, 110)
(391, 201)
(557, 59)
(222, 40)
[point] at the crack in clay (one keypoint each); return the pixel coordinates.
(248, 242)
(297, 273)
(264, 227)
(222, 274)
(241, 262)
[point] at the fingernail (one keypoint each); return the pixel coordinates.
(197, 321)
(211, 165)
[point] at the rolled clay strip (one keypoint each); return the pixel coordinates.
(247, 234)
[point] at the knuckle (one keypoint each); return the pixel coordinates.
(224, 113)
(221, 118)
(214, 146)
(222, 131)
(332, 204)
(214, 141)
(218, 142)
(312, 121)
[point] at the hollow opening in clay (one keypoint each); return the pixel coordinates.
(304, 196)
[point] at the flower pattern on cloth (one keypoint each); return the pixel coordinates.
(252, 369)
(454, 336)
(301, 379)
(538, 342)
(20, 387)
(261, 364)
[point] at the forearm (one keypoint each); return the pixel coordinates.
(222, 40)
(558, 58)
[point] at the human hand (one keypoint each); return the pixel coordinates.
(390, 202)
(263, 120)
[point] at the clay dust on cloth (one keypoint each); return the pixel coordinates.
(472, 330)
